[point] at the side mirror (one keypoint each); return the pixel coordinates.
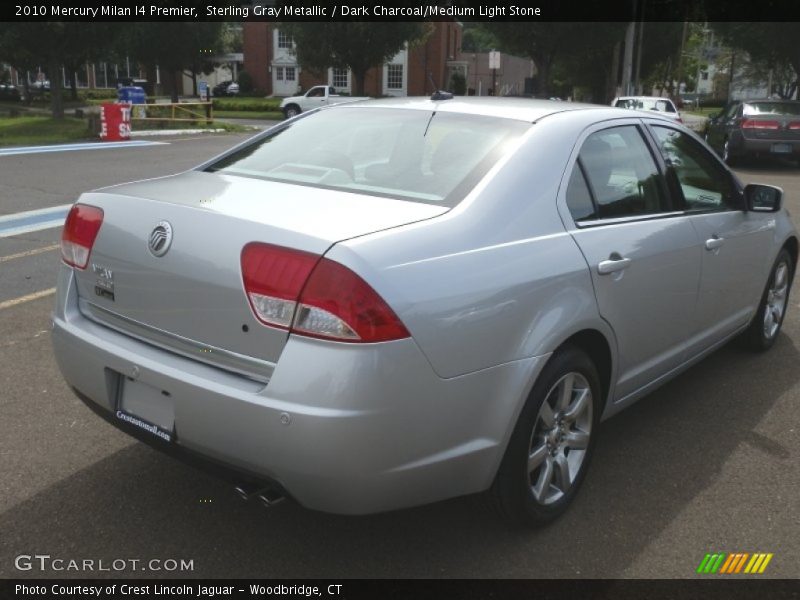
(763, 198)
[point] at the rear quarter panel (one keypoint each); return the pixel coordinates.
(495, 280)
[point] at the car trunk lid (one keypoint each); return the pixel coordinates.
(191, 299)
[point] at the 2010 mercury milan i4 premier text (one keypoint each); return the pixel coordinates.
(389, 303)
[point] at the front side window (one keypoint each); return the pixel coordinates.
(705, 185)
(407, 154)
(623, 177)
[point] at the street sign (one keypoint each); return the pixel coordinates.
(494, 59)
(202, 88)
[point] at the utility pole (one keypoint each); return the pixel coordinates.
(680, 56)
(637, 85)
(730, 75)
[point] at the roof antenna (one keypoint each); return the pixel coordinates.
(438, 94)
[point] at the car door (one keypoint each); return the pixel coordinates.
(735, 243)
(643, 256)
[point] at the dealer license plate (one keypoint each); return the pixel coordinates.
(146, 407)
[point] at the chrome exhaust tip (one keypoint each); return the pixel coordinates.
(270, 498)
(245, 491)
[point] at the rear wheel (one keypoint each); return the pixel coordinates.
(549, 451)
(767, 321)
(727, 157)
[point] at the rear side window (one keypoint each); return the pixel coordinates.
(772, 108)
(622, 175)
(579, 198)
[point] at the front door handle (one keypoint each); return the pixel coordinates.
(714, 242)
(613, 265)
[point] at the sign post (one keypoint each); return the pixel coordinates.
(494, 64)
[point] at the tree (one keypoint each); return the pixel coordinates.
(547, 44)
(771, 44)
(30, 45)
(357, 46)
(172, 46)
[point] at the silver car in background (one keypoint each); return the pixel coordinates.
(390, 303)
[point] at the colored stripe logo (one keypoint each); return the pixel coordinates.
(733, 563)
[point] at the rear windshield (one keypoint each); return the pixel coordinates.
(772, 108)
(646, 104)
(407, 154)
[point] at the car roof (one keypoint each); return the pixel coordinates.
(643, 98)
(520, 109)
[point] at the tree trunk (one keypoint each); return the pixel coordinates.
(56, 97)
(359, 78)
(173, 81)
(73, 85)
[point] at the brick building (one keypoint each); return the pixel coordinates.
(416, 71)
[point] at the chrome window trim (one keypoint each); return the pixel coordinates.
(631, 219)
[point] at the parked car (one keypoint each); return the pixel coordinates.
(225, 88)
(664, 106)
(9, 93)
(756, 128)
(390, 303)
(317, 96)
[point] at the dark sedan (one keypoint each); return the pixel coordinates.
(756, 128)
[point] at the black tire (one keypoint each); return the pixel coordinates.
(727, 157)
(291, 111)
(759, 336)
(514, 489)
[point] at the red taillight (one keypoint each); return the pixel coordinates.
(794, 125)
(314, 296)
(273, 277)
(80, 231)
(337, 304)
(759, 124)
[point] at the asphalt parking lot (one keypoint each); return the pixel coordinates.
(708, 463)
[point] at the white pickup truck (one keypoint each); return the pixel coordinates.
(319, 95)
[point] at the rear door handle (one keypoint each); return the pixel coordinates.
(714, 242)
(604, 267)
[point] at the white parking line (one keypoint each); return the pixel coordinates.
(72, 147)
(33, 220)
(28, 298)
(33, 252)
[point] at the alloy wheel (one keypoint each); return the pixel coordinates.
(560, 438)
(776, 300)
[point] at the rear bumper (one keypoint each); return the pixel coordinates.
(350, 429)
(766, 147)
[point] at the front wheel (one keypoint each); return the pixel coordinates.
(550, 448)
(291, 111)
(766, 323)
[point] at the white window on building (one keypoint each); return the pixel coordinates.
(290, 74)
(279, 73)
(394, 77)
(284, 40)
(340, 78)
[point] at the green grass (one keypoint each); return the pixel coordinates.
(33, 131)
(705, 111)
(246, 114)
(247, 104)
(139, 125)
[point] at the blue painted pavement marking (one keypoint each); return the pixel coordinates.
(71, 147)
(33, 220)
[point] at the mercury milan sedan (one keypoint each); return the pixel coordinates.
(384, 304)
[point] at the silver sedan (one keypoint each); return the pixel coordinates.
(390, 303)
